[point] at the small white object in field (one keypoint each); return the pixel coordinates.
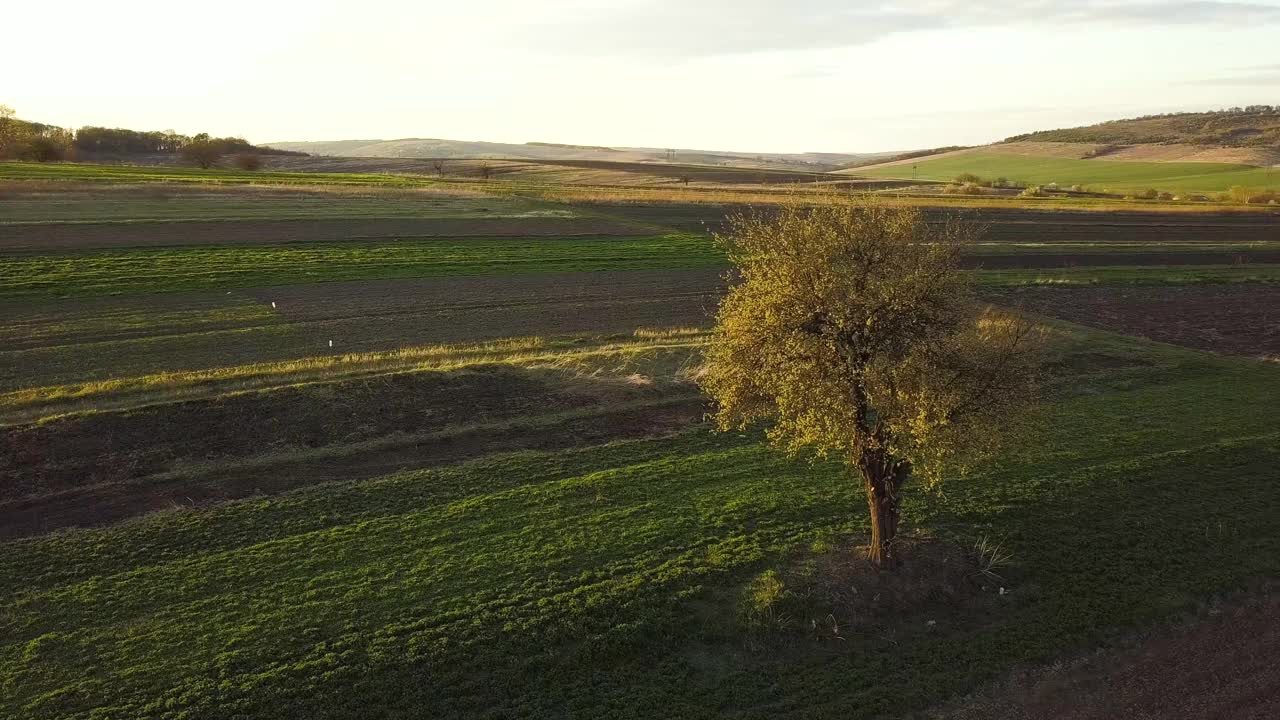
(330, 343)
(1001, 591)
(931, 623)
(273, 303)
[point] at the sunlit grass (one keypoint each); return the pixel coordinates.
(604, 581)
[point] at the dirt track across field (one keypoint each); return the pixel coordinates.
(1235, 319)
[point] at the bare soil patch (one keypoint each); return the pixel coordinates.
(1054, 226)
(1234, 319)
(526, 304)
(1128, 153)
(1016, 224)
(1223, 666)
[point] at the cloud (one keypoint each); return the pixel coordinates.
(1258, 68)
(1268, 78)
(707, 28)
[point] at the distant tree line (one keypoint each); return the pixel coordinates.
(25, 140)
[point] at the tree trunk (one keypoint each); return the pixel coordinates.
(883, 478)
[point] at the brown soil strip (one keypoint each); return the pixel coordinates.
(1030, 261)
(1221, 667)
(1235, 319)
(1018, 225)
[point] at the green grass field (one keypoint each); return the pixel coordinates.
(1096, 175)
(607, 581)
(496, 496)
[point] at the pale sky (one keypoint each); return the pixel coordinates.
(793, 76)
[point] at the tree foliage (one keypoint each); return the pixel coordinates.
(202, 151)
(852, 331)
(26, 140)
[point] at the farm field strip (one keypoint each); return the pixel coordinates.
(1087, 247)
(168, 174)
(94, 208)
(462, 590)
(70, 174)
(33, 403)
(1243, 320)
(122, 271)
(1094, 174)
(30, 325)
(1132, 275)
(428, 514)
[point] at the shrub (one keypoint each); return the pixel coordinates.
(1148, 194)
(44, 149)
(1239, 193)
(965, 189)
(1166, 196)
(1262, 198)
(248, 161)
(968, 179)
(1033, 191)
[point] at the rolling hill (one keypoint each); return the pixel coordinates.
(1186, 152)
(461, 149)
(1253, 126)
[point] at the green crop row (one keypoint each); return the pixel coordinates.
(129, 271)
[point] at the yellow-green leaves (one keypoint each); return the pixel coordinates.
(851, 327)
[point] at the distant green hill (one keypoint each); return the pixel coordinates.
(1253, 126)
(1095, 174)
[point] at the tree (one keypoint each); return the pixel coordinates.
(438, 164)
(248, 161)
(852, 332)
(14, 133)
(202, 151)
(44, 149)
